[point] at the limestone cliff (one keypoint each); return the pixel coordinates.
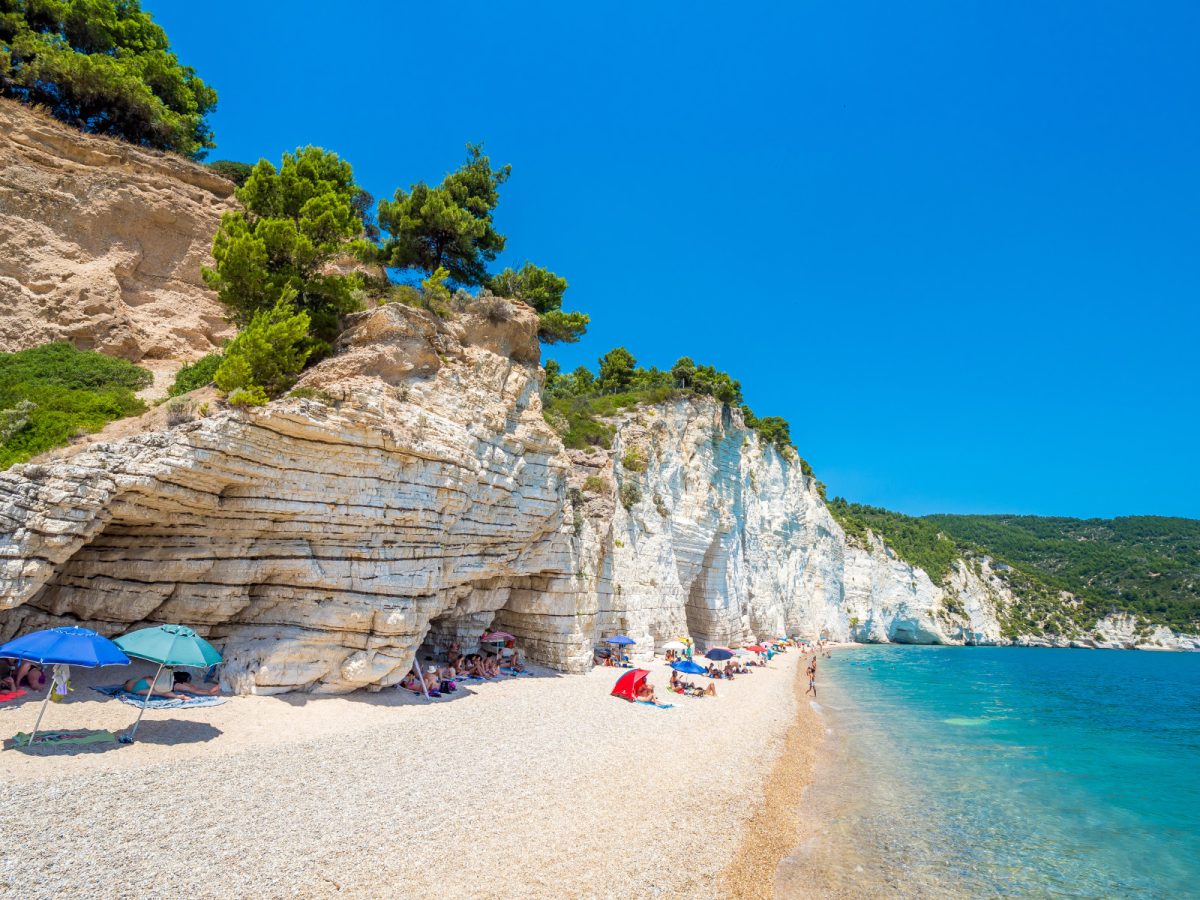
(414, 494)
(422, 498)
(103, 243)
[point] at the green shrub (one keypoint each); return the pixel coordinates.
(237, 172)
(631, 495)
(633, 460)
(265, 359)
(308, 393)
(49, 394)
(594, 484)
(196, 375)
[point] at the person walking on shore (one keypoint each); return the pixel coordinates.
(812, 678)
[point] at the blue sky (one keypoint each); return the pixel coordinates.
(956, 244)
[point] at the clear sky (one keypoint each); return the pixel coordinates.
(956, 244)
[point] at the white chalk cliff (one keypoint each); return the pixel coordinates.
(420, 498)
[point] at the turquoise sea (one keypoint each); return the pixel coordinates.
(994, 772)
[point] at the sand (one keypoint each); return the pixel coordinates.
(535, 787)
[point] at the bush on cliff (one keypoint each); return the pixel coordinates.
(264, 360)
(296, 220)
(580, 399)
(196, 375)
(237, 172)
(543, 290)
(104, 67)
(49, 394)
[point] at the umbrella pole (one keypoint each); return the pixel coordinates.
(41, 713)
(421, 678)
(149, 691)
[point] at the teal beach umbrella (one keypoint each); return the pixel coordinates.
(167, 645)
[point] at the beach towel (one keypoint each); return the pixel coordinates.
(118, 691)
(655, 705)
(75, 738)
(515, 672)
(12, 695)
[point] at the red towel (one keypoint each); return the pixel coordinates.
(11, 695)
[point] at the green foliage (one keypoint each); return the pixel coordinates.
(48, 394)
(633, 460)
(631, 495)
(616, 371)
(594, 484)
(449, 226)
(196, 375)
(1147, 565)
(684, 371)
(316, 394)
(543, 290)
(104, 67)
(265, 358)
(918, 542)
(296, 220)
(237, 172)
(580, 398)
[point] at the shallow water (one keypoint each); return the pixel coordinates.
(999, 772)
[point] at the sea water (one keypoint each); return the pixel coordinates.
(995, 772)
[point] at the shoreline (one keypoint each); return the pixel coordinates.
(550, 787)
(776, 827)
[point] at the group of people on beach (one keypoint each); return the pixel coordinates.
(436, 679)
(681, 685)
(18, 674)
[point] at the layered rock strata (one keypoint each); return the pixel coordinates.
(414, 495)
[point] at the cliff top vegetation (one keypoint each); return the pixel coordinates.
(106, 68)
(577, 402)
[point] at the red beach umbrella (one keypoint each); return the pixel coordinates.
(757, 648)
(628, 684)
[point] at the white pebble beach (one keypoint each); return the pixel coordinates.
(539, 786)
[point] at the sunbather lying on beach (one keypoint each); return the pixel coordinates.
(183, 685)
(163, 686)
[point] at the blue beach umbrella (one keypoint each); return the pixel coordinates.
(688, 667)
(167, 645)
(719, 654)
(65, 646)
(620, 639)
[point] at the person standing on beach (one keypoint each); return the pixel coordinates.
(812, 678)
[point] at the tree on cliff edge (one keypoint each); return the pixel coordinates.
(104, 67)
(296, 220)
(449, 226)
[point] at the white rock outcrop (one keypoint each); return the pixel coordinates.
(421, 498)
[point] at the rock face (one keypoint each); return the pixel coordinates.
(103, 243)
(324, 544)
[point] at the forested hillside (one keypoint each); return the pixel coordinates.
(1146, 564)
(1149, 565)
